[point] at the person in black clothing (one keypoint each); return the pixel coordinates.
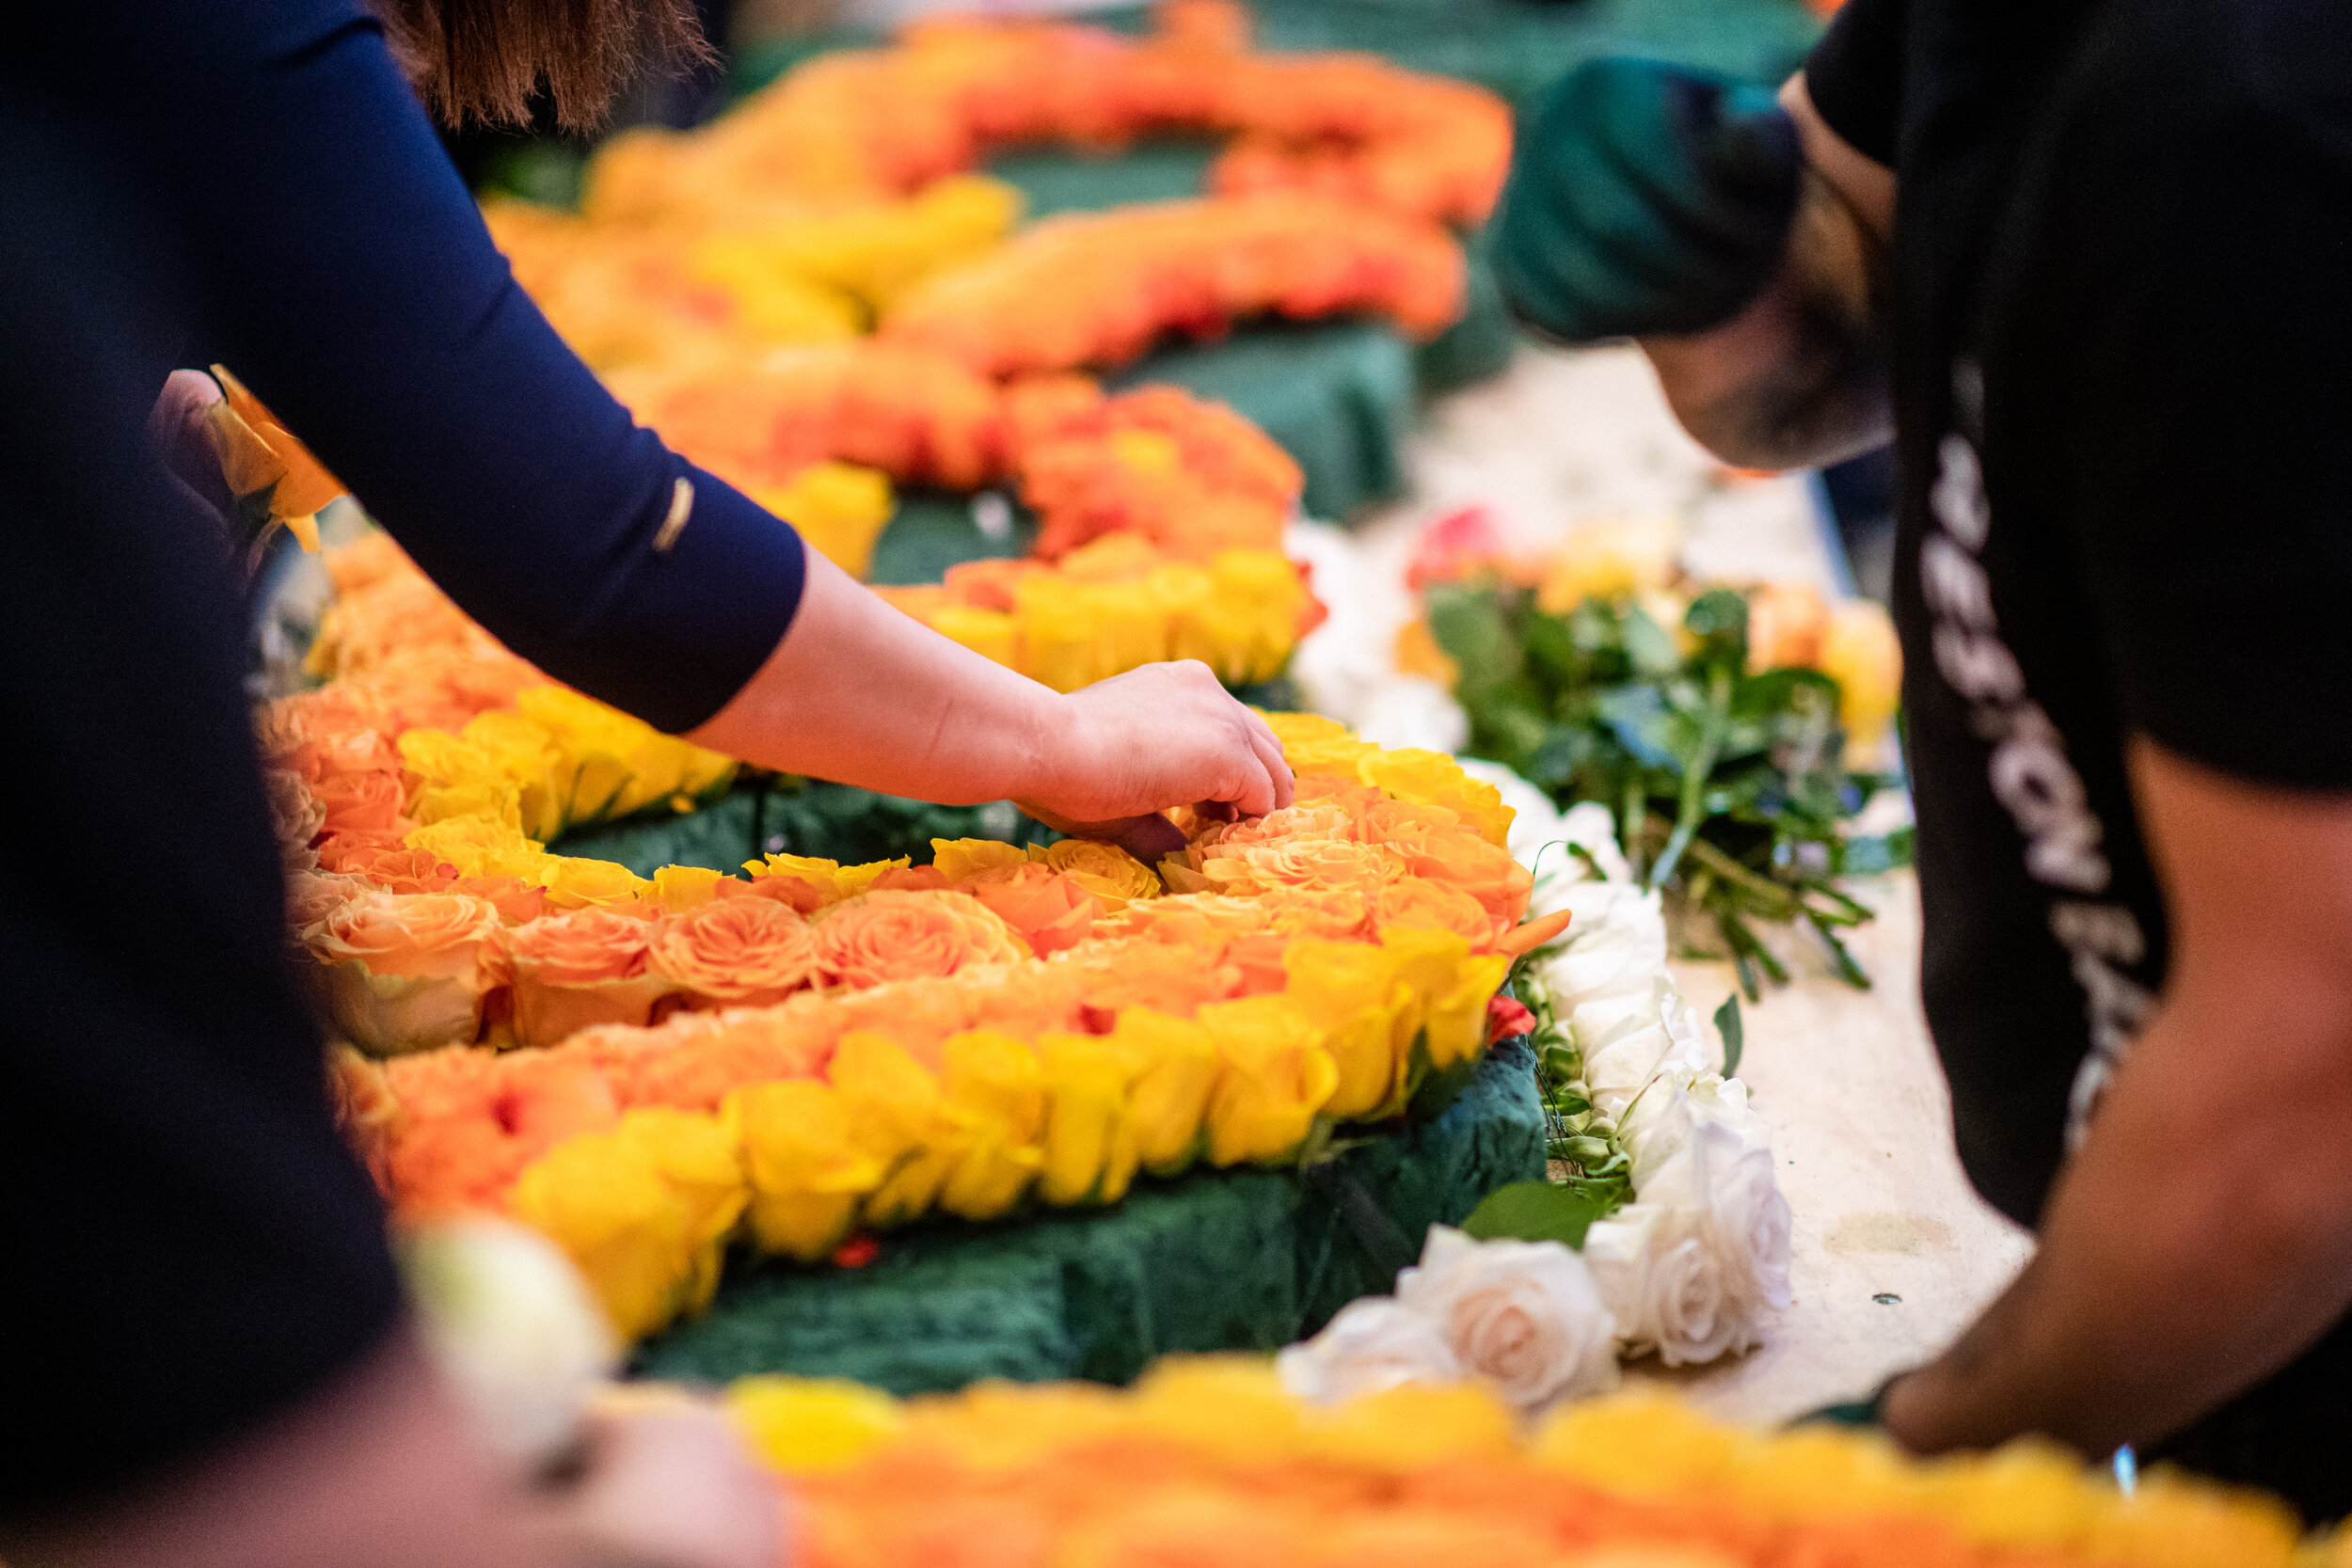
(208, 1362)
(2087, 259)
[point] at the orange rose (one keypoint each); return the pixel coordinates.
(405, 970)
(403, 870)
(747, 951)
(1047, 908)
(911, 879)
(1418, 903)
(1322, 864)
(518, 903)
(1431, 842)
(361, 803)
(891, 935)
(579, 969)
(348, 852)
(1171, 980)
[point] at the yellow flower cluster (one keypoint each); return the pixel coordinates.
(839, 508)
(1115, 604)
(1209, 1462)
(1064, 1118)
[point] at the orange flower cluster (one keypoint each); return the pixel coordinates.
(891, 120)
(1208, 1462)
(1100, 287)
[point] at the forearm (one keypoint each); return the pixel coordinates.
(2197, 1242)
(1798, 378)
(861, 694)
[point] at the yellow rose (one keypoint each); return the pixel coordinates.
(1275, 1076)
(838, 507)
(524, 751)
(679, 888)
(1089, 1139)
(1265, 590)
(959, 858)
(701, 1157)
(631, 1232)
(1456, 1023)
(896, 1115)
(482, 848)
(812, 1426)
(993, 634)
(594, 743)
(574, 883)
(1350, 991)
(1175, 1062)
(1105, 870)
(997, 1094)
(1062, 631)
(807, 1171)
(1434, 779)
(1313, 744)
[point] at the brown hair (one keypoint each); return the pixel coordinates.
(482, 60)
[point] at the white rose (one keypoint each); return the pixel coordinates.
(1374, 1343)
(1523, 1316)
(1728, 1184)
(1655, 1126)
(1588, 825)
(1663, 1284)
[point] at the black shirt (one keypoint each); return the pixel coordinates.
(2123, 344)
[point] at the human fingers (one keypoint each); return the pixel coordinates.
(673, 1488)
(1278, 768)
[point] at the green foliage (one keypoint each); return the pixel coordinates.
(1534, 1211)
(1734, 1032)
(1731, 789)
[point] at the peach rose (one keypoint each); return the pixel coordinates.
(1322, 865)
(911, 879)
(1421, 904)
(312, 896)
(405, 970)
(403, 870)
(876, 937)
(295, 814)
(363, 803)
(1112, 875)
(1050, 910)
(745, 952)
(1447, 853)
(518, 903)
(348, 852)
(579, 969)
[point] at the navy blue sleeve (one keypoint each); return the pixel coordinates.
(359, 294)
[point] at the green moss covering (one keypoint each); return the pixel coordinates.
(1217, 1261)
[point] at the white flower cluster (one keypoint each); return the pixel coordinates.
(1693, 1268)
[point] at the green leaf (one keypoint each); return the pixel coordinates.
(1885, 852)
(1468, 622)
(1535, 1212)
(1728, 1025)
(1719, 619)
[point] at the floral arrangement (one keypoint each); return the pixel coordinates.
(890, 120)
(1100, 287)
(820, 1047)
(1210, 1461)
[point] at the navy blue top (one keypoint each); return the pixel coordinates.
(190, 1248)
(332, 257)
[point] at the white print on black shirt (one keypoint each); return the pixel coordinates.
(2030, 773)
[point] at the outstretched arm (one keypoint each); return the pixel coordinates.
(2197, 1241)
(857, 692)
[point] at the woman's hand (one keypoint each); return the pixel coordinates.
(668, 1484)
(861, 694)
(1163, 734)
